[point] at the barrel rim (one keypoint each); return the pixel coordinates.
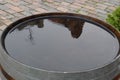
(108, 26)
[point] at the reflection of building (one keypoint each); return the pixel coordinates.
(39, 23)
(117, 77)
(28, 25)
(74, 25)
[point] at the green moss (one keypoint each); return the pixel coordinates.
(114, 18)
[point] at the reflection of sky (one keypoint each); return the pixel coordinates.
(55, 49)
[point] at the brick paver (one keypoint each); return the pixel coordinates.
(11, 10)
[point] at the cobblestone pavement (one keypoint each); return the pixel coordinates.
(11, 10)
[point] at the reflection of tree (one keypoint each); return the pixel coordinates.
(74, 25)
(117, 77)
(30, 37)
(29, 25)
(38, 23)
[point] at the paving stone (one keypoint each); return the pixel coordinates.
(62, 9)
(48, 8)
(101, 11)
(14, 19)
(56, 3)
(37, 1)
(26, 8)
(40, 10)
(81, 1)
(8, 16)
(69, 1)
(3, 7)
(74, 7)
(58, 0)
(36, 12)
(15, 8)
(2, 17)
(65, 4)
(94, 13)
(32, 6)
(115, 2)
(107, 4)
(28, 1)
(83, 12)
(1, 23)
(3, 2)
(79, 5)
(2, 12)
(50, 1)
(7, 21)
(3, 27)
(26, 13)
(111, 8)
(51, 6)
(13, 2)
(11, 10)
(22, 3)
(101, 6)
(18, 3)
(102, 16)
(91, 3)
(19, 15)
(89, 7)
(108, 10)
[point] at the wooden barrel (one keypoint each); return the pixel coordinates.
(14, 70)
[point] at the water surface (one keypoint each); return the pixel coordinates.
(61, 44)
